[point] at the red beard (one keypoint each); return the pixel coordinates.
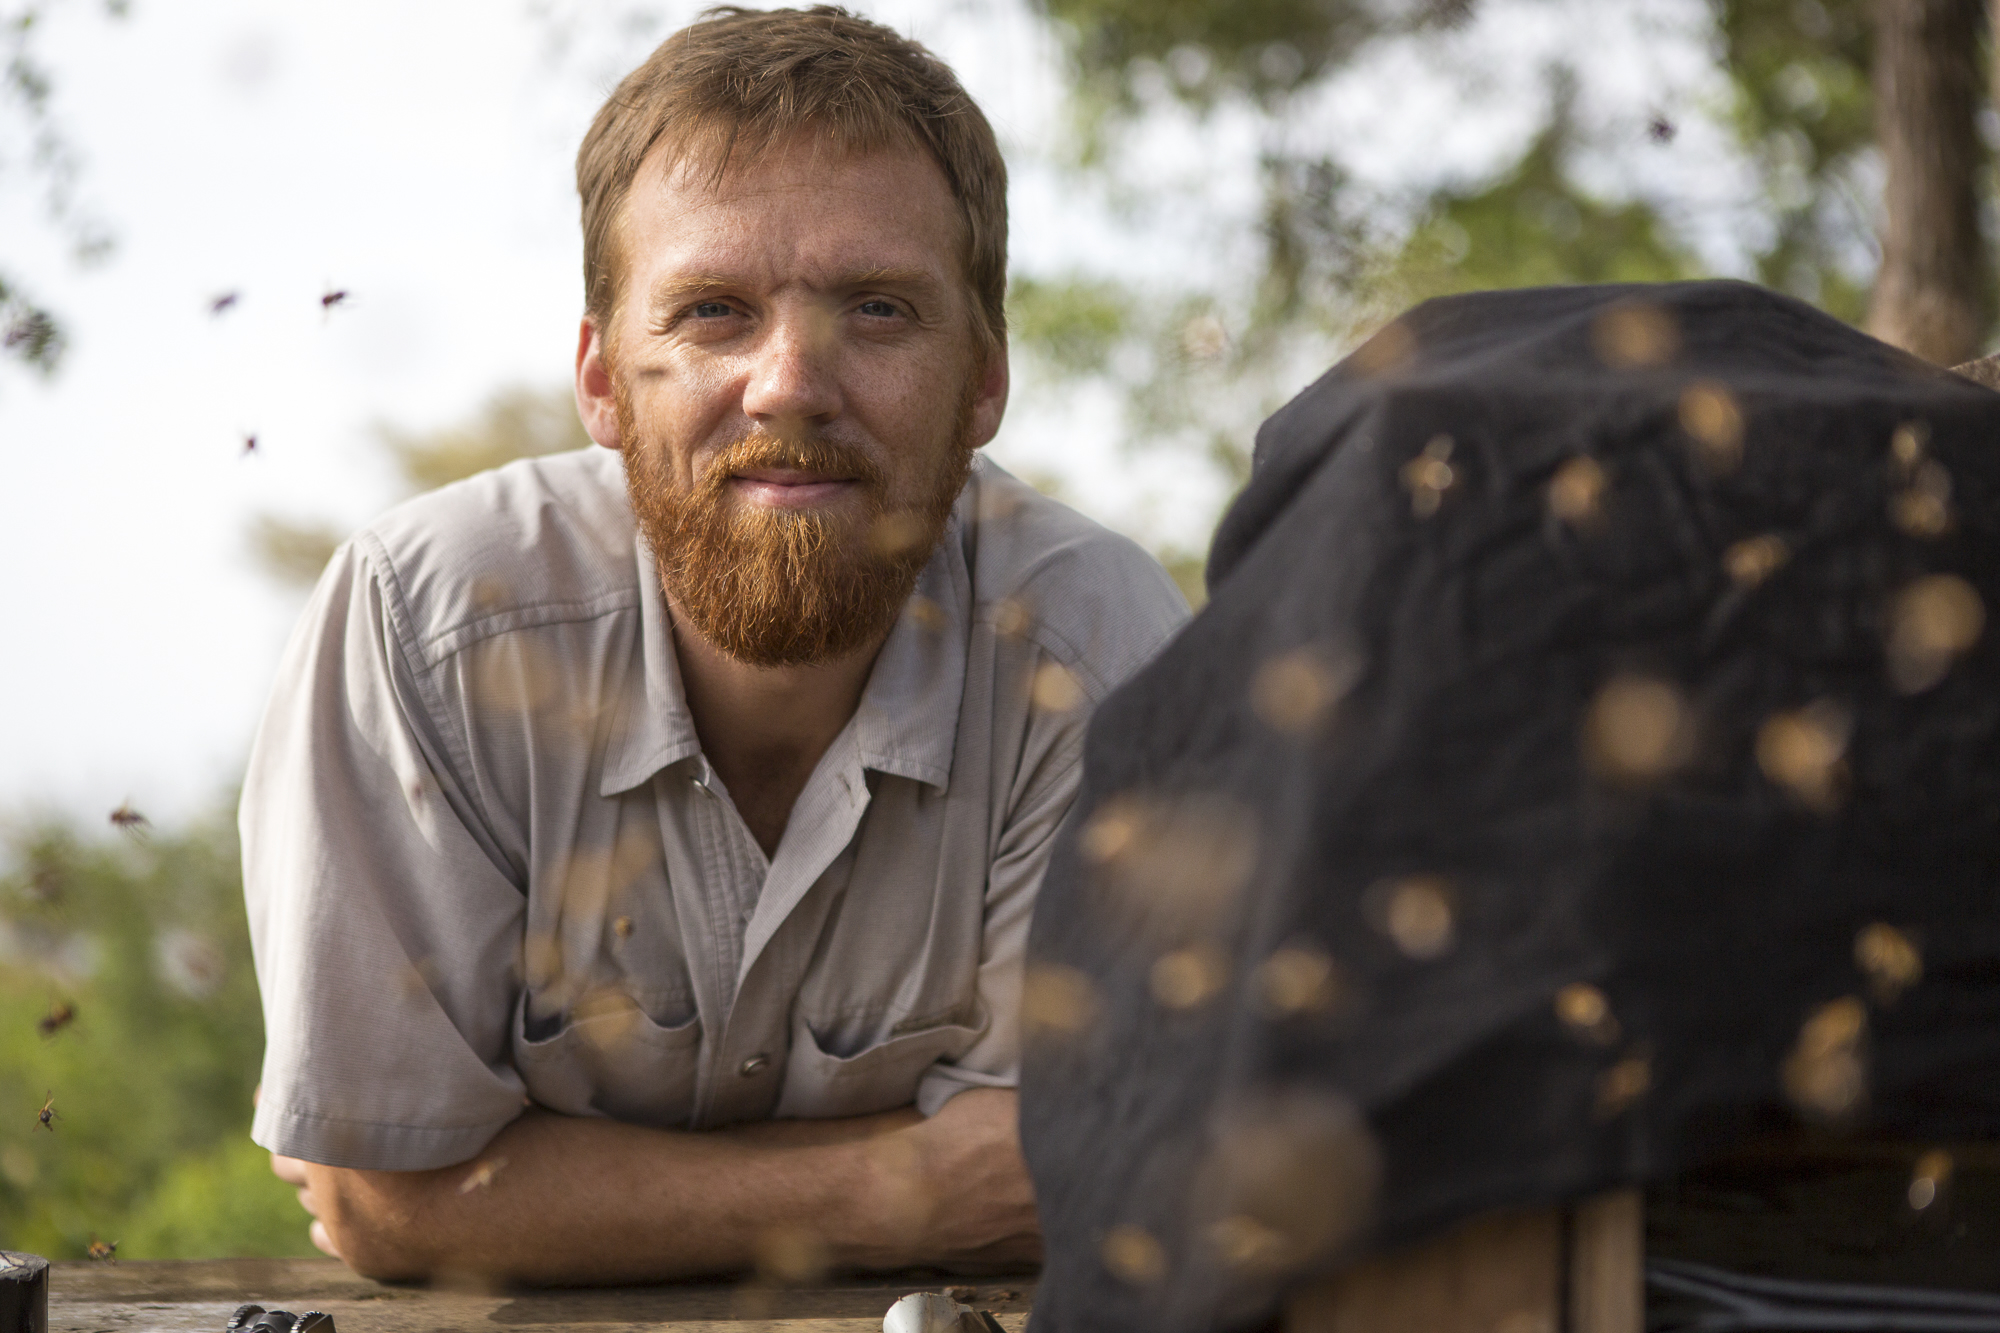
(779, 588)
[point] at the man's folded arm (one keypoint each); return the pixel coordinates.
(564, 1199)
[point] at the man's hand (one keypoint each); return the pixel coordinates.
(956, 1189)
(293, 1172)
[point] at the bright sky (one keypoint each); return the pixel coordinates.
(418, 155)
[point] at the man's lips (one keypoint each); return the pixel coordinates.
(788, 488)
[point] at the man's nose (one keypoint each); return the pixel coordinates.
(794, 376)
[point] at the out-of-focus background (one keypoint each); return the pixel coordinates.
(267, 268)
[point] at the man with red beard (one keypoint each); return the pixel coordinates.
(639, 866)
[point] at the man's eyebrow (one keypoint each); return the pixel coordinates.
(670, 290)
(890, 277)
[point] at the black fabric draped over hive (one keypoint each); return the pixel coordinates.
(1589, 757)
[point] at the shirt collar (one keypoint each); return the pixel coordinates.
(906, 723)
(654, 728)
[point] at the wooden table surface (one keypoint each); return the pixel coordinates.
(142, 1296)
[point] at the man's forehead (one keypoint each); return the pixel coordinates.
(828, 254)
(699, 175)
(827, 218)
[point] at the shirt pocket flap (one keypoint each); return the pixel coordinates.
(611, 1059)
(879, 1078)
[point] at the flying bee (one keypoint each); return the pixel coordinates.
(102, 1250)
(59, 1016)
(482, 1175)
(48, 1115)
(333, 297)
(249, 445)
(125, 817)
(1660, 129)
(223, 303)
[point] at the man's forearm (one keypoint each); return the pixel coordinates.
(588, 1200)
(820, 1133)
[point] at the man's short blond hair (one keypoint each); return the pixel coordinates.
(738, 82)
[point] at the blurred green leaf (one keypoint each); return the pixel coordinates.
(292, 552)
(223, 1202)
(1189, 570)
(1264, 48)
(514, 423)
(144, 939)
(1263, 45)
(29, 333)
(1073, 324)
(1197, 367)
(1534, 226)
(1802, 104)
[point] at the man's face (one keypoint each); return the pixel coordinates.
(795, 377)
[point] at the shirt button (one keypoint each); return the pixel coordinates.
(754, 1066)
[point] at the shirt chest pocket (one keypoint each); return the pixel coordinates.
(880, 1076)
(609, 1057)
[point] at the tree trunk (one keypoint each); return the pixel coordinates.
(1932, 294)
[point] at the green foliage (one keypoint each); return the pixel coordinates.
(1534, 226)
(29, 333)
(144, 939)
(1803, 106)
(220, 1203)
(1261, 47)
(1189, 570)
(1264, 45)
(1320, 246)
(1801, 67)
(514, 423)
(1336, 260)
(293, 551)
(1075, 323)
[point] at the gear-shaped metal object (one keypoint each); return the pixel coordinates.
(256, 1319)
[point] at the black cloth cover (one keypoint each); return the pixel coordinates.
(1550, 761)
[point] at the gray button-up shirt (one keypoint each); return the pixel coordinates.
(487, 864)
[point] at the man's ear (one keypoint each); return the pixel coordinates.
(596, 403)
(991, 403)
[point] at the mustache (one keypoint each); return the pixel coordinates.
(813, 453)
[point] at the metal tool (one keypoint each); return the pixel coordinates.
(256, 1319)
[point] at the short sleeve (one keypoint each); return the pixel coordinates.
(383, 919)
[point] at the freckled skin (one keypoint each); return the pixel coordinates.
(794, 292)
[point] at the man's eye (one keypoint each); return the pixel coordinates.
(712, 310)
(879, 309)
